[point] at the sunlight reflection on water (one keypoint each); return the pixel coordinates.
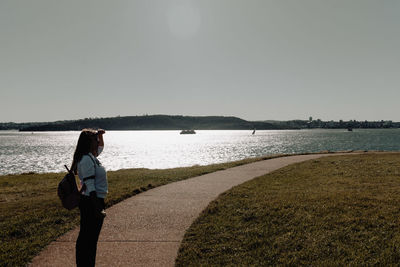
(49, 151)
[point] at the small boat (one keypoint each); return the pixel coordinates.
(350, 129)
(188, 132)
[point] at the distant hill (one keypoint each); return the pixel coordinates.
(17, 126)
(167, 122)
(154, 122)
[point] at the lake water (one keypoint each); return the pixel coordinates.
(49, 151)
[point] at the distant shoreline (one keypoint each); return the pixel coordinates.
(178, 122)
(178, 130)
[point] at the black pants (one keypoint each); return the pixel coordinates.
(90, 227)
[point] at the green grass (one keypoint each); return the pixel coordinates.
(31, 215)
(333, 211)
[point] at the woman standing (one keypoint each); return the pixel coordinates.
(93, 178)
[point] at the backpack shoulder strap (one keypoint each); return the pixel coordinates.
(91, 157)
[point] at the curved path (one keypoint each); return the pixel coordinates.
(147, 229)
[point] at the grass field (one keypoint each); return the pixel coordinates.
(333, 211)
(31, 215)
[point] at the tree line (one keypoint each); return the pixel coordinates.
(177, 122)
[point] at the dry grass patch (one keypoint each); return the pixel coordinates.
(340, 210)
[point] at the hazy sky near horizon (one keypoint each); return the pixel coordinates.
(257, 60)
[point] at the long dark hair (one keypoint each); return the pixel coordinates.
(86, 144)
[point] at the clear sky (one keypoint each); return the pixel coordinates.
(257, 60)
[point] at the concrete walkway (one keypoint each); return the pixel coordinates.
(147, 229)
